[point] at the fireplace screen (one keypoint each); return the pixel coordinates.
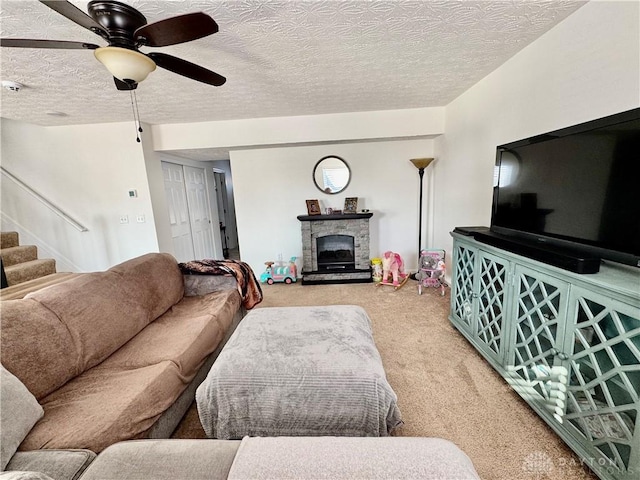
(335, 252)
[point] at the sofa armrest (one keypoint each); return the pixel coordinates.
(195, 285)
(164, 460)
(57, 464)
(373, 458)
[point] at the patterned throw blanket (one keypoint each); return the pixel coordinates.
(248, 285)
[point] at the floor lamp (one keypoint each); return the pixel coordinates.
(420, 164)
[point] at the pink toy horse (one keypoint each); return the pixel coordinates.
(392, 263)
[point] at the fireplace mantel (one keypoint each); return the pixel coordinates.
(343, 216)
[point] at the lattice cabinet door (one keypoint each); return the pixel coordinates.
(492, 283)
(603, 395)
(534, 368)
(464, 258)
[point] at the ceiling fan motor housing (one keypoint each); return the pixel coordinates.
(120, 20)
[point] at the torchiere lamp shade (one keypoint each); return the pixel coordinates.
(421, 163)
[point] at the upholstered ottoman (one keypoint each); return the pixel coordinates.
(299, 371)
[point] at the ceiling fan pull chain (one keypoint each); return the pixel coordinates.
(135, 98)
(136, 117)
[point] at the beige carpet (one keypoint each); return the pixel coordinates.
(445, 388)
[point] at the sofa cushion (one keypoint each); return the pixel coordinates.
(58, 464)
(164, 460)
(103, 406)
(123, 396)
(100, 315)
(186, 334)
(19, 412)
(372, 458)
(104, 310)
(160, 276)
(33, 337)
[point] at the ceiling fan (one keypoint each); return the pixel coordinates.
(125, 29)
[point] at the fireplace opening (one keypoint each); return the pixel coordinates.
(335, 252)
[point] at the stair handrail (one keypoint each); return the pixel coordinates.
(48, 203)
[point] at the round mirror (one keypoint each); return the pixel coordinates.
(331, 174)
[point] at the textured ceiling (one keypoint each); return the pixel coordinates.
(281, 58)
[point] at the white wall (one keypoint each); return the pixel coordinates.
(587, 67)
(271, 186)
(282, 131)
(87, 171)
(272, 160)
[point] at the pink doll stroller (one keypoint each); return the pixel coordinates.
(431, 270)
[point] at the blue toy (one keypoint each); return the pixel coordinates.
(280, 273)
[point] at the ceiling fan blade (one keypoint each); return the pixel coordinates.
(120, 85)
(29, 43)
(179, 29)
(187, 69)
(76, 15)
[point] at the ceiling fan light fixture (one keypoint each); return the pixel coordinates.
(125, 64)
(11, 85)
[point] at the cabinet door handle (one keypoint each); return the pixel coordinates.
(557, 353)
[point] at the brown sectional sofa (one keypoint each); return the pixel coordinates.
(117, 355)
(114, 355)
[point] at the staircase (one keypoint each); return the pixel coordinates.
(20, 262)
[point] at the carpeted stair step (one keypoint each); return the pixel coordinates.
(26, 271)
(9, 239)
(22, 253)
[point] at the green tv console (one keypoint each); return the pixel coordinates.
(568, 343)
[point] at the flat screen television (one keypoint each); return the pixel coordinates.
(576, 189)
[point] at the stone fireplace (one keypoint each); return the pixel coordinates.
(335, 248)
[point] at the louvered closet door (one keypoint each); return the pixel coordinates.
(175, 192)
(492, 305)
(603, 397)
(199, 212)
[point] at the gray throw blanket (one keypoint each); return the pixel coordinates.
(299, 371)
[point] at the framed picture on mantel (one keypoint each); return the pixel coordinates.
(313, 207)
(351, 205)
